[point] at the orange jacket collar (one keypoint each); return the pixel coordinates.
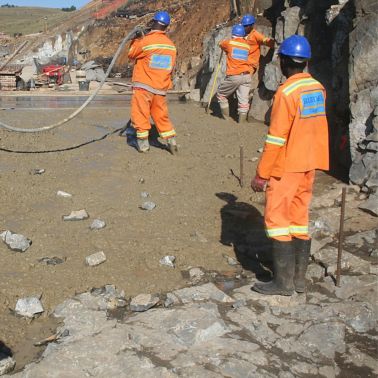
(302, 75)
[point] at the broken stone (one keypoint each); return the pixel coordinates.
(149, 205)
(371, 205)
(315, 271)
(143, 302)
(230, 260)
(97, 224)
(60, 193)
(196, 274)
(7, 365)
(95, 259)
(260, 150)
(16, 242)
(144, 195)
(202, 293)
(76, 215)
(37, 171)
(170, 300)
(168, 261)
(360, 238)
(239, 303)
(374, 253)
(52, 260)
(29, 307)
(254, 159)
(316, 245)
(142, 180)
(328, 258)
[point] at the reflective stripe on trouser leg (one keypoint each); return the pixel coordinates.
(242, 94)
(140, 112)
(300, 207)
(226, 88)
(159, 113)
(287, 203)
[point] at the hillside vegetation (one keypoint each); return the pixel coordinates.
(27, 20)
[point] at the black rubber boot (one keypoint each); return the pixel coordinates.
(302, 254)
(284, 267)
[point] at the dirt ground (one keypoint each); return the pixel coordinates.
(195, 193)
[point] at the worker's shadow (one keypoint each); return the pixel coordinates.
(243, 229)
(131, 137)
(5, 352)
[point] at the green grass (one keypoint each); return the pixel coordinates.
(28, 20)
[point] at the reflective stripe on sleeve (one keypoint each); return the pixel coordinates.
(272, 232)
(270, 139)
(159, 46)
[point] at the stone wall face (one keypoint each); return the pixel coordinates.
(363, 83)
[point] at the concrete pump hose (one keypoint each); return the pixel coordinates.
(130, 36)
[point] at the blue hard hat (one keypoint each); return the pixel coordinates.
(296, 46)
(238, 31)
(248, 20)
(162, 17)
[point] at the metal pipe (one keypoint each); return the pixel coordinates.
(341, 237)
(241, 166)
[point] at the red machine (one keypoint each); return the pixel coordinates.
(54, 74)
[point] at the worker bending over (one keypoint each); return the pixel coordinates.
(155, 56)
(296, 145)
(255, 39)
(238, 73)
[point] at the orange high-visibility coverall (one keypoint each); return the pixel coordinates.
(155, 56)
(256, 39)
(237, 52)
(296, 145)
(238, 72)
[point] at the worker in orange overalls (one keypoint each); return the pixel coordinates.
(296, 145)
(155, 56)
(238, 73)
(255, 39)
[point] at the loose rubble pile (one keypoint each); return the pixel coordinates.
(204, 332)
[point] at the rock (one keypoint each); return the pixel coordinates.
(149, 205)
(324, 338)
(254, 159)
(143, 302)
(328, 258)
(170, 300)
(316, 244)
(272, 76)
(7, 365)
(371, 205)
(97, 224)
(144, 194)
(260, 150)
(52, 260)
(168, 261)
(201, 293)
(37, 171)
(230, 260)
(239, 303)
(60, 193)
(141, 180)
(320, 228)
(95, 259)
(76, 215)
(16, 242)
(29, 307)
(360, 238)
(196, 274)
(315, 272)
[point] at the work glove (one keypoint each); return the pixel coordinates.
(258, 184)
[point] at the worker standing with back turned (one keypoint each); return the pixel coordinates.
(296, 145)
(238, 73)
(155, 56)
(255, 39)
